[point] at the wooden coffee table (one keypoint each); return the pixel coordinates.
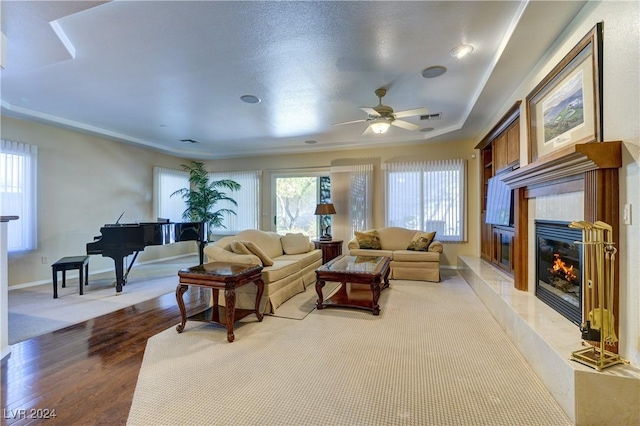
(220, 276)
(362, 278)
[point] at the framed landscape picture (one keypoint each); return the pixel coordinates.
(565, 108)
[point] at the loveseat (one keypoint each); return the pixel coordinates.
(289, 263)
(414, 254)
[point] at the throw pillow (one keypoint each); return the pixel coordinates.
(254, 249)
(295, 243)
(421, 241)
(368, 240)
(238, 248)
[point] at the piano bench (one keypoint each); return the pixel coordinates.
(80, 263)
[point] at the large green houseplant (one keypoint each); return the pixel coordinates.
(203, 194)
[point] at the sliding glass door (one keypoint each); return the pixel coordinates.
(296, 197)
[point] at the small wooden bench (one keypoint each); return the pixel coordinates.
(80, 263)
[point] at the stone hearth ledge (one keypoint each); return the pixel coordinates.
(546, 340)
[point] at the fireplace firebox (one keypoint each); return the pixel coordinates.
(559, 268)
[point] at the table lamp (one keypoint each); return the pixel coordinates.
(325, 210)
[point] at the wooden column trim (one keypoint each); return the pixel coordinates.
(521, 240)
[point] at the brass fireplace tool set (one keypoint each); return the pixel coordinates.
(598, 325)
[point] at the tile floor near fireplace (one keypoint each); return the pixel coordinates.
(546, 339)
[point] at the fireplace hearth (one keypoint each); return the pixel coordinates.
(559, 268)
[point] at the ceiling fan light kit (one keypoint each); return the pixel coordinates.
(379, 126)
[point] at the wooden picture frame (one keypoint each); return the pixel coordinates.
(565, 108)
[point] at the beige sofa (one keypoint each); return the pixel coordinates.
(289, 264)
(405, 264)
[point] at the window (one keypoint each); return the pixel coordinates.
(18, 189)
(429, 196)
(248, 198)
(166, 182)
(296, 198)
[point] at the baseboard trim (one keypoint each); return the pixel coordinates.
(74, 274)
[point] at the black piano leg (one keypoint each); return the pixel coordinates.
(201, 251)
(119, 275)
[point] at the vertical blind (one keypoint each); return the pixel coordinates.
(166, 182)
(248, 198)
(429, 196)
(18, 193)
(352, 195)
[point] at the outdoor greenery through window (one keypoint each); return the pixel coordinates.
(296, 201)
(428, 196)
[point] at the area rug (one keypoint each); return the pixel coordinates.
(33, 311)
(434, 356)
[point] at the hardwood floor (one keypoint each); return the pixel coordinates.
(86, 374)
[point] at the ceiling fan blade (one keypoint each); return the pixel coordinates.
(370, 111)
(349, 122)
(405, 125)
(411, 112)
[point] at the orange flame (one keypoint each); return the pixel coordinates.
(561, 269)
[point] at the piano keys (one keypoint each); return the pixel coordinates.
(120, 240)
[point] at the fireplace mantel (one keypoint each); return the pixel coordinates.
(566, 164)
(591, 168)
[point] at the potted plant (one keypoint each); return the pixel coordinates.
(203, 194)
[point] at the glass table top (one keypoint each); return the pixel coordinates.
(364, 264)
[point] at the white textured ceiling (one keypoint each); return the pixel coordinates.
(152, 73)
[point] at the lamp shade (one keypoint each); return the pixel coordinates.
(322, 209)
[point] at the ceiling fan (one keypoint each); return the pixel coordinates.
(382, 116)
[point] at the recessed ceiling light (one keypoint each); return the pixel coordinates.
(461, 51)
(311, 142)
(250, 99)
(427, 129)
(434, 71)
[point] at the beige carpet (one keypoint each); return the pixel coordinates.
(434, 356)
(33, 311)
(302, 304)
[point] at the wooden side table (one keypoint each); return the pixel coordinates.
(66, 263)
(330, 249)
(220, 276)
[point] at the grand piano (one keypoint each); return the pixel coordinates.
(120, 240)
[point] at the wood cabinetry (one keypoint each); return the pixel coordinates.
(513, 144)
(499, 152)
(502, 254)
(506, 148)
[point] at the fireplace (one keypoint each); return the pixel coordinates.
(559, 268)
